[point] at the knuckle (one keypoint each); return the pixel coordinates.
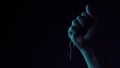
(85, 15)
(71, 31)
(81, 20)
(75, 23)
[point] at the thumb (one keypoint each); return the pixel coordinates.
(89, 11)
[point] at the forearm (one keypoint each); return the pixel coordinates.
(89, 58)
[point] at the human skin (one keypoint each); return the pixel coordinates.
(80, 32)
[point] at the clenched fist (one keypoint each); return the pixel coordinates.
(82, 28)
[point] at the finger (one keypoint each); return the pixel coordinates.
(74, 31)
(81, 20)
(89, 19)
(84, 14)
(89, 11)
(76, 23)
(71, 31)
(71, 34)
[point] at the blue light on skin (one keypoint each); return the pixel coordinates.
(87, 53)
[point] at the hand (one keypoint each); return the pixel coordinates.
(82, 28)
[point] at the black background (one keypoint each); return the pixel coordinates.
(39, 39)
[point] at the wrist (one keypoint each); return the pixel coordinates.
(89, 57)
